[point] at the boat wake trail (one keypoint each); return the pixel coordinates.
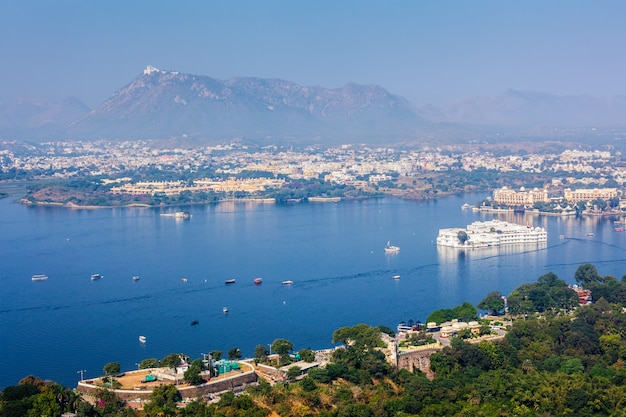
(605, 262)
(599, 242)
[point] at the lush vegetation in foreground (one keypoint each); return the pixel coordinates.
(556, 359)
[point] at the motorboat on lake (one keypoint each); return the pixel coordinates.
(142, 339)
(95, 277)
(391, 249)
(39, 277)
(288, 282)
(136, 278)
(257, 281)
(230, 281)
(396, 277)
(225, 310)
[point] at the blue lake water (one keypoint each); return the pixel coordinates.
(333, 253)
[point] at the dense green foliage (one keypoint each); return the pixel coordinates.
(464, 312)
(192, 374)
(149, 363)
(493, 302)
(548, 293)
(112, 368)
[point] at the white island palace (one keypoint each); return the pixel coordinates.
(491, 233)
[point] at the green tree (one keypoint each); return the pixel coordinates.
(440, 316)
(586, 274)
(112, 368)
(216, 355)
(360, 337)
(192, 374)
(572, 366)
(163, 401)
(492, 302)
(282, 346)
(45, 404)
(599, 204)
(462, 236)
(171, 361)
(149, 363)
(465, 312)
(260, 353)
(234, 353)
(196, 408)
(292, 373)
(307, 355)
(107, 402)
(308, 384)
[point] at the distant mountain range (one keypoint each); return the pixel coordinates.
(171, 105)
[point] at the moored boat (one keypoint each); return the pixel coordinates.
(288, 282)
(225, 310)
(230, 281)
(183, 279)
(257, 281)
(96, 276)
(396, 277)
(179, 215)
(39, 277)
(142, 339)
(136, 278)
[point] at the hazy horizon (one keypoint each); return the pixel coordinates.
(427, 52)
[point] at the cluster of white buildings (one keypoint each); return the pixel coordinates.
(360, 165)
(527, 198)
(169, 188)
(490, 234)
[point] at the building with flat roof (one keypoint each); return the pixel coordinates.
(589, 194)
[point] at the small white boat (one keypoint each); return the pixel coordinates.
(225, 310)
(391, 249)
(288, 282)
(39, 277)
(396, 277)
(142, 339)
(96, 276)
(230, 281)
(257, 281)
(136, 278)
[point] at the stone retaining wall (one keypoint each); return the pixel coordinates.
(231, 383)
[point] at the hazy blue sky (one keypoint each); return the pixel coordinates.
(428, 51)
